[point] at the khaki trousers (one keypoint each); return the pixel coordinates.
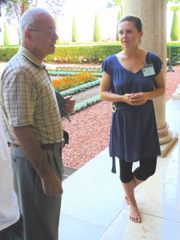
(40, 213)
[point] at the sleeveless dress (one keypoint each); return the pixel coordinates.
(133, 132)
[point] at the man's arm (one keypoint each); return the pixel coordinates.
(29, 144)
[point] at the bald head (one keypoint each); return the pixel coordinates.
(31, 19)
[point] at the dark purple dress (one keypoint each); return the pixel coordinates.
(133, 133)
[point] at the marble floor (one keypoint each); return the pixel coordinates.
(93, 205)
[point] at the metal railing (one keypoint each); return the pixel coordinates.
(171, 59)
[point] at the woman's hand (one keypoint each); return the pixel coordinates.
(138, 99)
(135, 99)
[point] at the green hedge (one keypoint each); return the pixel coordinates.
(80, 88)
(7, 52)
(90, 53)
(83, 53)
(174, 52)
(86, 103)
(86, 53)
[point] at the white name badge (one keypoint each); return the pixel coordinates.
(148, 70)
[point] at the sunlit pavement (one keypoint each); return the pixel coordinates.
(93, 206)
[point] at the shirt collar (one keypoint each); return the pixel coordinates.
(27, 54)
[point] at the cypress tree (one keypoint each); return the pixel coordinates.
(6, 35)
(117, 32)
(74, 31)
(58, 28)
(175, 29)
(97, 34)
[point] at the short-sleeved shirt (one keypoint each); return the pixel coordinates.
(28, 98)
(133, 133)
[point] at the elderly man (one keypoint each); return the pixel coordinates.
(33, 126)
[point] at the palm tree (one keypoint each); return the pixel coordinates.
(116, 3)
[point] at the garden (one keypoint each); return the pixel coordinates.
(72, 80)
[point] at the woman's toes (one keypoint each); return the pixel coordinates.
(135, 215)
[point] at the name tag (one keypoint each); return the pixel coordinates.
(148, 70)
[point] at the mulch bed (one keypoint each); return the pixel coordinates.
(89, 129)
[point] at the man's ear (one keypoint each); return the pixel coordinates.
(28, 35)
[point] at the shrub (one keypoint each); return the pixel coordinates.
(6, 35)
(79, 53)
(175, 30)
(96, 34)
(74, 31)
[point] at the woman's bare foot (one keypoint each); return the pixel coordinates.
(135, 215)
(127, 200)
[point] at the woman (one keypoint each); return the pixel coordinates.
(131, 79)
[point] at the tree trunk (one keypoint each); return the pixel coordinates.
(25, 6)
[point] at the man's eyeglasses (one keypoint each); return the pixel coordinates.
(50, 32)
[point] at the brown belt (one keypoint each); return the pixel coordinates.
(51, 146)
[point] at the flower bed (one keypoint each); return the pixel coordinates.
(76, 69)
(80, 88)
(69, 71)
(69, 82)
(75, 83)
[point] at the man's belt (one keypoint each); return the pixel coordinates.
(51, 146)
(48, 146)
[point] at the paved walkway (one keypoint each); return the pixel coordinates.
(93, 206)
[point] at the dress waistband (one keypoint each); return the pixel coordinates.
(122, 107)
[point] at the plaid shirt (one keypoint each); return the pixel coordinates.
(28, 98)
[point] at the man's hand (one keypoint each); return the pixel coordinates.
(52, 186)
(68, 107)
(29, 144)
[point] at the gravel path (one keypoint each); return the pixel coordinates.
(89, 93)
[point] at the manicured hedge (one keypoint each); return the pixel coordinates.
(80, 88)
(7, 52)
(86, 103)
(83, 53)
(174, 52)
(86, 53)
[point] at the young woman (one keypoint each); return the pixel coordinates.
(131, 79)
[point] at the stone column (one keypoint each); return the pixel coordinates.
(153, 16)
